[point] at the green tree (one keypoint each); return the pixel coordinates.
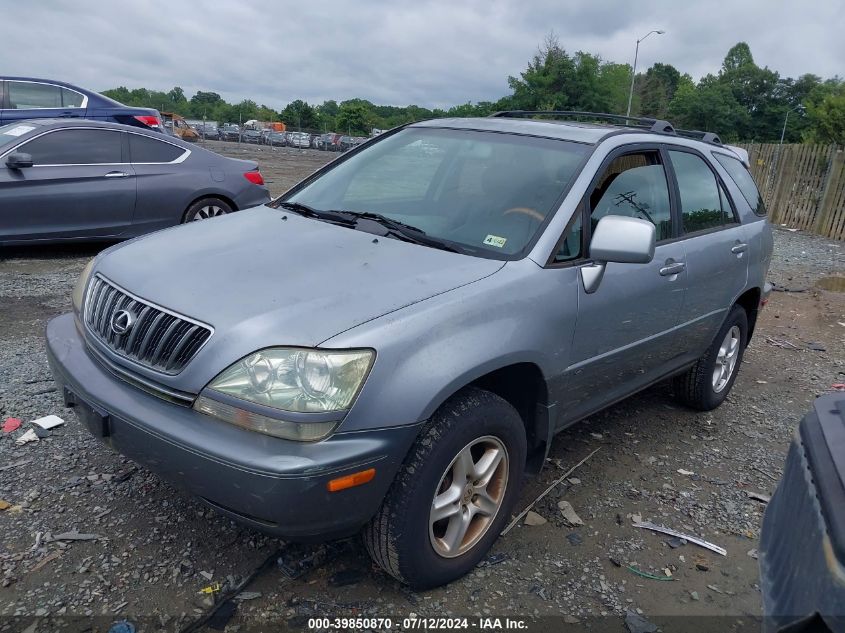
(299, 115)
(326, 114)
(756, 90)
(656, 89)
(827, 119)
(354, 118)
(708, 106)
(543, 85)
(177, 95)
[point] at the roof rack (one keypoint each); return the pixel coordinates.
(706, 137)
(652, 125)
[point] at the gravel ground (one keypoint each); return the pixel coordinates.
(154, 548)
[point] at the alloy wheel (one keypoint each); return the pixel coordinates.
(468, 497)
(726, 359)
(208, 211)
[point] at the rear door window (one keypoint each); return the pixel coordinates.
(24, 95)
(143, 149)
(742, 177)
(75, 147)
(703, 205)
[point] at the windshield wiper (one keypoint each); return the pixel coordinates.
(402, 231)
(385, 221)
(311, 212)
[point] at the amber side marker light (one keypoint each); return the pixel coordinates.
(350, 481)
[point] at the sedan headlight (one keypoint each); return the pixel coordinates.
(78, 295)
(289, 379)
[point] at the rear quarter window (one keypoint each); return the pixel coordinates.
(143, 149)
(742, 177)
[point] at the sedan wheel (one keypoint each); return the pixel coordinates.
(208, 211)
(206, 208)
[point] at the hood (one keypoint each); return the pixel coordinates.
(262, 281)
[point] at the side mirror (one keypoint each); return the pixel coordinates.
(621, 240)
(19, 160)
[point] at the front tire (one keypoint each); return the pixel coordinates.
(706, 385)
(205, 208)
(454, 493)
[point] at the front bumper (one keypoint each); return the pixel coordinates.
(275, 485)
(802, 544)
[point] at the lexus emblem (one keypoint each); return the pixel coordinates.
(122, 322)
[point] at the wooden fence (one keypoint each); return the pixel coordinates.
(803, 185)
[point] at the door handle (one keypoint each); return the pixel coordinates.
(672, 268)
(116, 174)
(739, 248)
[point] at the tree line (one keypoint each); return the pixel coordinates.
(741, 102)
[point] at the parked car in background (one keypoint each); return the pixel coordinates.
(29, 98)
(208, 131)
(301, 140)
(251, 136)
(229, 132)
(346, 143)
(330, 142)
(72, 179)
(276, 139)
(802, 542)
(390, 346)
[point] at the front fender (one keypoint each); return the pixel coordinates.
(428, 351)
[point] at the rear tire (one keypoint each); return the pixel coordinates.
(475, 432)
(205, 208)
(706, 385)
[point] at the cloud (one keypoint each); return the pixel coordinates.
(432, 53)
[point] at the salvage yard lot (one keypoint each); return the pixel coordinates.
(156, 548)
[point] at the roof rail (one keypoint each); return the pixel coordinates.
(653, 125)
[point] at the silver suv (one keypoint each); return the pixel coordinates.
(389, 346)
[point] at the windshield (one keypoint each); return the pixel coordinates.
(487, 192)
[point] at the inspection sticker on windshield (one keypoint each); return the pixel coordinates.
(20, 130)
(495, 240)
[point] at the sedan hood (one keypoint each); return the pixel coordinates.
(261, 280)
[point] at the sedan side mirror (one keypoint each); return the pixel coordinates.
(618, 239)
(19, 160)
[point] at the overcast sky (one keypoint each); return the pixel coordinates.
(431, 53)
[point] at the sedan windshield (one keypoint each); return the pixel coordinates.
(482, 193)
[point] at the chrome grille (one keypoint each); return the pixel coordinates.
(158, 339)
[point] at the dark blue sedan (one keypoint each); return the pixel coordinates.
(28, 98)
(74, 179)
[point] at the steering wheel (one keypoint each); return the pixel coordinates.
(531, 213)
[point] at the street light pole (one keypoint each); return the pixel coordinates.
(786, 119)
(634, 73)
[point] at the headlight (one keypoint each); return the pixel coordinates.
(289, 379)
(78, 295)
(298, 431)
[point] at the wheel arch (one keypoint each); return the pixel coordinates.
(523, 385)
(750, 302)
